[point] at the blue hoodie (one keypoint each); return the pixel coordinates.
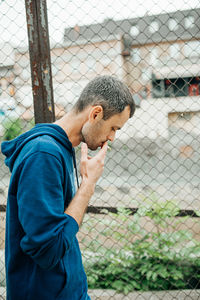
(43, 259)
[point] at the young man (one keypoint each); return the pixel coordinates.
(43, 259)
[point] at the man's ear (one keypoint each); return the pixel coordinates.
(96, 113)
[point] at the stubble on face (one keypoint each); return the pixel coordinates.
(91, 135)
(95, 135)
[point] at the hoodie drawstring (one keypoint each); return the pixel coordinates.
(75, 166)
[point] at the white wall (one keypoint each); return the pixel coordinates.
(151, 119)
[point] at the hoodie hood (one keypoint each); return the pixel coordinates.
(12, 148)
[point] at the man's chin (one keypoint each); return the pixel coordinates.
(93, 148)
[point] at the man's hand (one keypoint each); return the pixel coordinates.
(92, 168)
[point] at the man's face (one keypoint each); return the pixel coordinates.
(95, 134)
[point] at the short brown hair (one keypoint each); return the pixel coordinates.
(109, 92)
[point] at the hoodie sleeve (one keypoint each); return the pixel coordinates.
(49, 232)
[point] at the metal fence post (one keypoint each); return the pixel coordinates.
(39, 50)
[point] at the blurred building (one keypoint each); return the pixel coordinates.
(158, 56)
(7, 86)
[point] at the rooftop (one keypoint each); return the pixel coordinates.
(179, 25)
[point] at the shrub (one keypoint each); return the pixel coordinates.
(166, 258)
(13, 128)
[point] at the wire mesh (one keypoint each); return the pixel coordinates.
(141, 232)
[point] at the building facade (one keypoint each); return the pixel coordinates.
(157, 56)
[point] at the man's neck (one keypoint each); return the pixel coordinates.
(72, 124)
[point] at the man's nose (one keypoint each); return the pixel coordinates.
(111, 136)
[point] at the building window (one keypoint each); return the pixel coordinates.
(193, 89)
(173, 24)
(158, 88)
(153, 27)
(134, 30)
(169, 89)
(136, 55)
(192, 49)
(176, 87)
(185, 116)
(189, 22)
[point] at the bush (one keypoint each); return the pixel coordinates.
(13, 128)
(164, 259)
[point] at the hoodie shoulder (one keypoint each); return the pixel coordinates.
(43, 137)
(43, 143)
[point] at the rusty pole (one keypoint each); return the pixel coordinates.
(39, 50)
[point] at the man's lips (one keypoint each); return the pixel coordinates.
(101, 145)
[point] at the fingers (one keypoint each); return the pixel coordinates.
(84, 151)
(102, 153)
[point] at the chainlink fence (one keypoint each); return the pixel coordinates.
(140, 236)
